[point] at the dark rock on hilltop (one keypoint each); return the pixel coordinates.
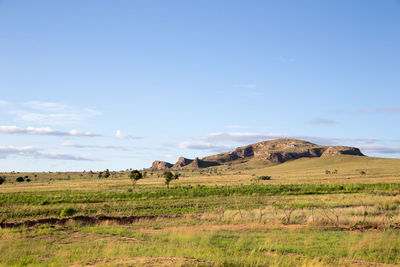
(198, 163)
(182, 162)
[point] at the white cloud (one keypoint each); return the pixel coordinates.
(43, 131)
(16, 150)
(3, 103)
(60, 156)
(120, 135)
(29, 151)
(101, 146)
(375, 148)
(47, 106)
(51, 113)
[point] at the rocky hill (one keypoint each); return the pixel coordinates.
(161, 165)
(273, 151)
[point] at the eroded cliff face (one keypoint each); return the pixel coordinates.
(161, 165)
(275, 151)
(182, 162)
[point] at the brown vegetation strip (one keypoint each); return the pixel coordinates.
(86, 220)
(258, 226)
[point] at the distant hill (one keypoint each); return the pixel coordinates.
(266, 153)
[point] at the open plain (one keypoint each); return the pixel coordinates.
(340, 210)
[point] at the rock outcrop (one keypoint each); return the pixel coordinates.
(198, 163)
(341, 150)
(161, 165)
(281, 150)
(273, 151)
(182, 162)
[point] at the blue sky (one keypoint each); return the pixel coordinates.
(89, 85)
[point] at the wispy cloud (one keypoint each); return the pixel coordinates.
(375, 148)
(48, 106)
(29, 151)
(43, 131)
(8, 150)
(50, 113)
(204, 146)
(285, 59)
(381, 110)
(321, 121)
(101, 146)
(60, 156)
(3, 103)
(121, 135)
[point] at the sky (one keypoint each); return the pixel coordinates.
(90, 85)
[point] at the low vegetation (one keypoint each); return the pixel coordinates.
(246, 219)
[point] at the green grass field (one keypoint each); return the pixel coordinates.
(304, 215)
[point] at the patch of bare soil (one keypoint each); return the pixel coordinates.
(148, 261)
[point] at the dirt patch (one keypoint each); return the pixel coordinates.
(147, 261)
(213, 227)
(87, 220)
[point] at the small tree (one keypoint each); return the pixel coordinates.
(169, 176)
(100, 175)
(106, 173)
(135, 175)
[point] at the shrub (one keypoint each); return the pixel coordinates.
(27, 180)
(264, 178)
(135, 176)
(67, 212)
(169, 176)
(2, 180)
(20, 179)
(363, 173)
(106, 173)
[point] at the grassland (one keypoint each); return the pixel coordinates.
(218, 217)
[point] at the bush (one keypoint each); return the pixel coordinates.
(135, 176)
(28, 180)
(264, 178)
(20, 179)
(2, 180)
(67, 212)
